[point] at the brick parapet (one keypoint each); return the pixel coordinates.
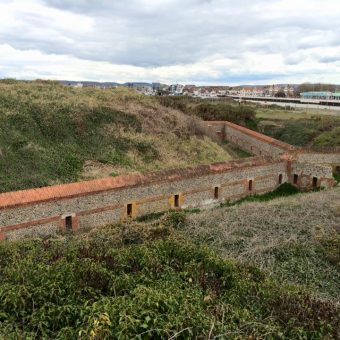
(96, 208)
(261, 137)
(32, 196)
(91, 203)
(219, 128)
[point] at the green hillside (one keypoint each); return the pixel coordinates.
(55, 134)
(254, 270)
(301, 127)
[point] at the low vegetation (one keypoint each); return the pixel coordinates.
(217, 109)
(301, 127)
(53, 134)
(286, 237)
(252, 270)
(264, 267)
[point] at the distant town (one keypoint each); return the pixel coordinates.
(304, 91)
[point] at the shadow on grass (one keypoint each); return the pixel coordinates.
(284, 190)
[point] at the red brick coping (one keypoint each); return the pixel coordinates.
(31, 196)
(256, 135)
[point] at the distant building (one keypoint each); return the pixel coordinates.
(176, 89)
(326, 95)
(251, 92)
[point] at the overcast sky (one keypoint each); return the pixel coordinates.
(185, 41)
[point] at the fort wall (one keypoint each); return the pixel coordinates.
(251, 141)
(83, 205)
(310, 176)
(195, 187)
(326, 158)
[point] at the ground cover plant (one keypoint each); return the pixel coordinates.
(127, 283)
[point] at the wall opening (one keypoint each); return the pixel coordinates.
(315, 182)
(216, 192)
(68, 223)
(280, 179)
(250, 185)
(176, 201)
(337, 169)
(295, 180)
(129, 210)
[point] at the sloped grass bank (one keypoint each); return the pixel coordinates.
(294, 239)
(49, 132)
(146, 282)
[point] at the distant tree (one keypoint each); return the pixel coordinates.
(280, 94)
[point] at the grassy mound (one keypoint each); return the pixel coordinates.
(146, 282)
(53, 134)
(294, 239)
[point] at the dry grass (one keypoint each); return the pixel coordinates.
(173, 152)
(283, 236)
(175, 135)
(52, 134)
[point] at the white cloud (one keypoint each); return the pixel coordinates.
(201, 41)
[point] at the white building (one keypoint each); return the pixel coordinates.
(176, 89)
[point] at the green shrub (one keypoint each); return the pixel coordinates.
(93, 288)
(317, 131)
(239, 114)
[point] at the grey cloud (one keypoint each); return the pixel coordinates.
(178, 32)
(127, 33)
(329, 59)
(161, 33)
